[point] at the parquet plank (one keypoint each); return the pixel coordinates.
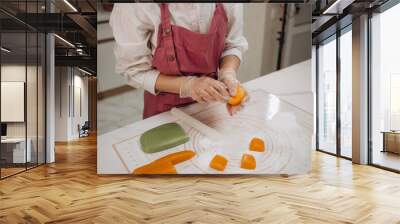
(70, 191)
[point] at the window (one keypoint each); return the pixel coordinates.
(22, 78)
(395, 102)
(385, 89)
(327, 96)
(334, 62)
(346, 93)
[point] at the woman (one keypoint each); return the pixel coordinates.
(179, 53)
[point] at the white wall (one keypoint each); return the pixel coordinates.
(79, 118)
(254, 24)
(108, 79)
(14, 73)
(33, 126)
(13, 100)
(17, 73)
(297, 43)
(68, 82)
(62, 80)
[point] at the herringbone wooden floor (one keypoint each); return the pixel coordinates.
(70, 191)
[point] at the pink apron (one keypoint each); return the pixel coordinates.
(183, 52)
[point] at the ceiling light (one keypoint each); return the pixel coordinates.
(5, 50)
(338, 6)
(79, 51)
(333, 6)
(70, 5)
(65, 41)
(84, 71)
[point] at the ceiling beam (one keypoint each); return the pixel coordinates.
(83, 23)
(77, 61)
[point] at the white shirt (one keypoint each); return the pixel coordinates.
(135, 29)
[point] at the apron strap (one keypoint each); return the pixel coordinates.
(168, 42)
(165, 14)
(165, 21)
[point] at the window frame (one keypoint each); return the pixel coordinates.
(333, 37)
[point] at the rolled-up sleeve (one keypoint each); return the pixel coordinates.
(235, 42)
(132, 30)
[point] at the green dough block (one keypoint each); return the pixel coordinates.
(163, 137)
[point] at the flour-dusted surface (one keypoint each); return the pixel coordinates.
(286, 130)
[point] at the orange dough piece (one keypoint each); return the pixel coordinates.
(237, 99)
(218, 163)
(178, 157)
(156, 167)
(248, 162)
(165, 165)
(257, 145)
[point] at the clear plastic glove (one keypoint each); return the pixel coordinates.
(228, 77)
(204, 89)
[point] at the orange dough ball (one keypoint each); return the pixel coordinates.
(218, 163)
(237, 99)
(248, 162)
(257, 145)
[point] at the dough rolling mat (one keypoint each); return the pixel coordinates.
(286, 130)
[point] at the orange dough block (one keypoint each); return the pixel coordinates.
(156, 167)
(237, 99)
(257, 145)
(178, 157)
(218, 163)
(248, 162)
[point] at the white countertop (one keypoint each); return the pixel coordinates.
(292, 84)
(14, 140)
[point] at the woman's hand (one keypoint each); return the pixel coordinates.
(228, 77)
(204, 89)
